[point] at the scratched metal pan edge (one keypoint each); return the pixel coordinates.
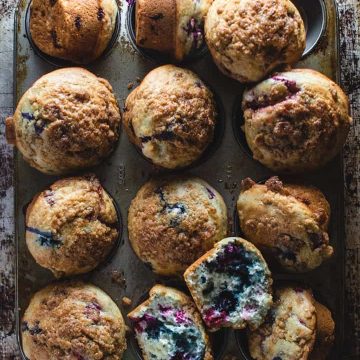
(29, 277)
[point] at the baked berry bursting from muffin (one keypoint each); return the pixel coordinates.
(168, 326)
(231, 285)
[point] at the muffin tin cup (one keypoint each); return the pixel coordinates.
(313, 13)
(218, 339)
(153, 55)
(209, 151)
(57, 62)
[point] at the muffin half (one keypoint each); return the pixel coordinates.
(171, 117)
(168, 326)
(68, 120)
(290, 221)
(173, 222)
(72, 226)
(72, 321)
(231, 285)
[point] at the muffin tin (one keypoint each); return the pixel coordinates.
(224, 167)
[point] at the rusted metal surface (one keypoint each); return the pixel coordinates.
(350, 47)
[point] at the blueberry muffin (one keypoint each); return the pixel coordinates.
(71, 321)
(168, 326)
(72, 226)
(78, 31)
(289, 330)
(174, 27)
(231, 285)
(172, 222)
(296, 121)
(69, 119)
(290, 221)
(325, 329)
(249, 38)
(171, 117)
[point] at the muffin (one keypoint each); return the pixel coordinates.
(72, 226)
(172, 222)
(289, 330)
(325, 329)
(168, 326)
(72, 321)
(174, 27)
(296, 121)
(231, 285)
(68, 120)
(78, 31)
(290, 221)
(248, 39)
(171, 117)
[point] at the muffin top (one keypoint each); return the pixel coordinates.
(173, 222)
(72, 321)
(231, 285)
(289, 220)
(168, 326)
(290, 328)
(69, 119)
(296, 121)
(78, 31)
(249, 38)
(171, 117)
(72, 226)
(325, 329)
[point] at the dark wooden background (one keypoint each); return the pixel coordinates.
(350, 78)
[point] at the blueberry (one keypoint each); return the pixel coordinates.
(290, 84)
(209, 288)
(28, 116)
(211, 194)
(316, 239)
(286, 254)
(226, 301)
(100, 14)
(45, 238)
(277, 358)
(194, 28)
(78, 22)
(32, 330)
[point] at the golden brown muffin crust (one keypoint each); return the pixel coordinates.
(73, 321)
(325, 329)
(72, 226)
(289, 220)
(171, 116)
(249, 38)
(68, 119)
(172, 223)
(78, 31)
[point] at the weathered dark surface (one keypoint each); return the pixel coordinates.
(350, 55)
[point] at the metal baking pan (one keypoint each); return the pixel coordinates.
(224, 167)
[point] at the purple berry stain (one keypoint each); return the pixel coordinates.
(194, 29)
(211, 193)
